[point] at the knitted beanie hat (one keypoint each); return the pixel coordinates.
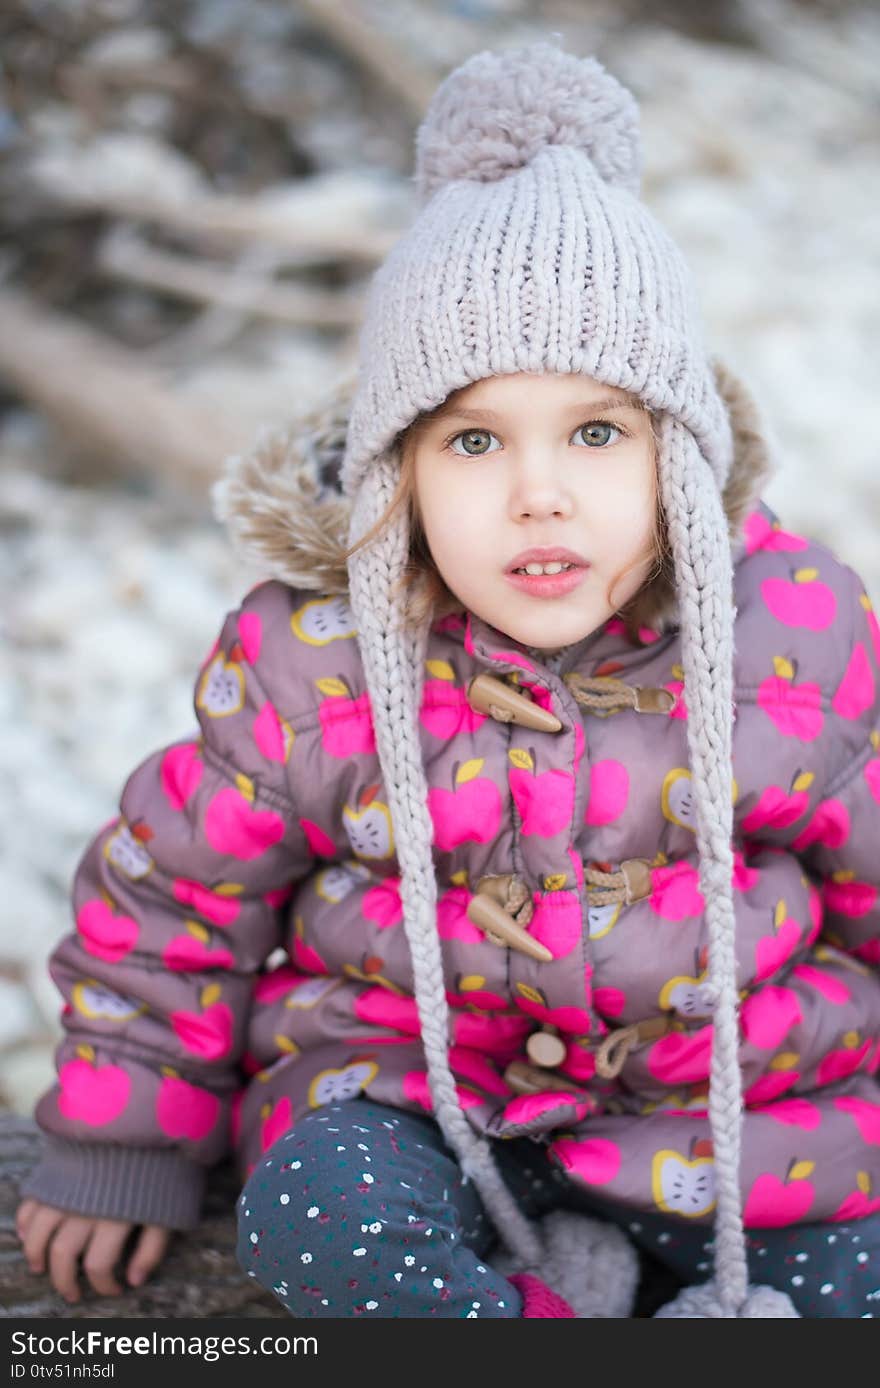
(531, 252)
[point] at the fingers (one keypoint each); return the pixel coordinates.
(68, 1242)
(43, 1220)
(23, 1215)
(148, 1254)
(102, 1254)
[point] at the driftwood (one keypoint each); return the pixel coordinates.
(392, 66)
(103, 397)
(198, 1277)
(127, 256)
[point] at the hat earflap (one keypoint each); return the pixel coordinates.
(699, 541)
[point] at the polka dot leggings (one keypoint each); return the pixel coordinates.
(362, 1210)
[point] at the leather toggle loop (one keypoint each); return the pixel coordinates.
(502, 907)
(505, 704)
(612, 1053)
(630, 883)
(605, 694)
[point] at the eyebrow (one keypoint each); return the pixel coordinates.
(607, 402)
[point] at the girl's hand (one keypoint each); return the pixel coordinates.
(99, 1242)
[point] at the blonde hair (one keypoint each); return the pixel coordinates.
(422, 589)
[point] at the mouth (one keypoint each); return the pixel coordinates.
(548, 585)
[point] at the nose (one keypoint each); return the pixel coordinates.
(538, 488)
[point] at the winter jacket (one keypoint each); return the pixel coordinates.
(239, 955)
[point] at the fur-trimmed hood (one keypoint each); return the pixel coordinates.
(286, 514)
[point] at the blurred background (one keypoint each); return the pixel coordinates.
(193, 196)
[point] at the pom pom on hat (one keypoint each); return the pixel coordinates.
(494, 113)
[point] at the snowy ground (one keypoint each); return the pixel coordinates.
(765, 168)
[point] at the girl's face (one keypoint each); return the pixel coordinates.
(545, 461)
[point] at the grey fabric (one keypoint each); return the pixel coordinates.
(144, 1185)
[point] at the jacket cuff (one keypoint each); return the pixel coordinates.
(146, 1185)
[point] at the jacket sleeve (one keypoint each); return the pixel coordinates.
(177, 904)
(838, 838)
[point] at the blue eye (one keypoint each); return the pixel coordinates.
(468, 437)
(597, 433)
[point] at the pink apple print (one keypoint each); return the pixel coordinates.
(452, 918)
(859, 1202)
(496, 1036)
(873, 624)
(470, 812)
(681, 1057)
(794, 709)
(777, 808)
(574, 1020)
(797, 1113)
(869, 952)
(181, 772)
(219, 907)
(527, 1107)
(772, 1203)
(829, 825)
(250, 632)
(103, 933)
(91, 1093)
(801, 601)
(609, 792)
(596, 1161)
(186, 953)
(445, 711)
(545, 800)
(610, 1002)
(772, 951)
(760, 533)
(768, 1087)
(766, 1017)
(676, 892)
(679, 708)
(378, 1007)
(744, 877)
(872, 777)
(541, 695)
(836, 1065)
(276, 1122)
(184, 1110)
(831, 988)
(478, 1069)
(382, 904)
(579, 1063)
(848, 897)
(557, 923)
(207, 1033)
(275, 984)
(270, 734)
(475, 996)
(233, 827)
(417, 1088)
(346, 723)
(855, 693)
(305, 956)
(453, 621)
(278, 896)
(319, 843)
(865, 1113)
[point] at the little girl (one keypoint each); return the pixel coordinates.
(551, 759)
